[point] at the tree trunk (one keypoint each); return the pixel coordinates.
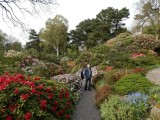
(158, 24)
(57, 52)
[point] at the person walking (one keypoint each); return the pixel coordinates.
(88, 76)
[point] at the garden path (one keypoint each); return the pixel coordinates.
(154, 76)
(85, 108)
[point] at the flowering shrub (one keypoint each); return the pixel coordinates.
(32, 66)
(32, 98)
(109, 68)
(140, 104)
(136, 55)
(12, 53)
(138, 69)
(73, 82)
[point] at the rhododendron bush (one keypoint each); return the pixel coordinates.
(26, 98)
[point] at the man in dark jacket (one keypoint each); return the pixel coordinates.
(88, 76)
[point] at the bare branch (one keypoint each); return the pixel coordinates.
(10, 6)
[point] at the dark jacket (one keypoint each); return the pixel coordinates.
(88, 73)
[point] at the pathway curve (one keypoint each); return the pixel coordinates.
(154, 76)
(85, 108)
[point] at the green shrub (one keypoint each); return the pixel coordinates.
(100, 49)
(116, 75)
(154, 90)
(132, 83)
(117, 59)
(115, 109)
(124, 39)
(88, 57)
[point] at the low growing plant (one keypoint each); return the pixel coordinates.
(115, 109)
(132, 83)
(140, 103)
(102, 94)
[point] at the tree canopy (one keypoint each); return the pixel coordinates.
(148, 15)
(55, 33)
(107, 24)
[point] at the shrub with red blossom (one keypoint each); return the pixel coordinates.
(136, 55)
(26, 98)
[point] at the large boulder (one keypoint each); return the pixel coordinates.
(155, 113)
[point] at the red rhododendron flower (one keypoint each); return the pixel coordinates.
(43, 104)
(67, 117)
(27, 116)
(40, 86)
(29, 83)
(54, 109)
(6, 73)
(68, 103)
(109, 68)
(61, 111)
(33, 91)
(3, 86)
(48, 90)
(16, 91)
(8, 117)
(60, 96)
(62, 90)
(19, 76)
(50, 96)
(55, 103)
(37, 78)
(58, 114)
(138, 69)
(67, 94)
(24, 96)
(12, 108)
(135, 55)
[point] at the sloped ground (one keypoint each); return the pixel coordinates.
(86, 109)
(154, 76)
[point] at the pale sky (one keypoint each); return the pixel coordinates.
(74, 11)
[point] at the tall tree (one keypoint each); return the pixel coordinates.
(55, 33)
(17, 46)
(2, 42)
(149, 15)
(113, 19)
(107, 24)
(34, 40)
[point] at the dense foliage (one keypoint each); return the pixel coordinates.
(33, 98)
(132, 83)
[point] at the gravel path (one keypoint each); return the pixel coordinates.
(154, 76)
(86, 109)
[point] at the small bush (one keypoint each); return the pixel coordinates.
(101, 49)
(115, 109)
(88, 57)
(132, 83)
(140, 103)
(117, 75)
(102, 94)
(117, 59)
